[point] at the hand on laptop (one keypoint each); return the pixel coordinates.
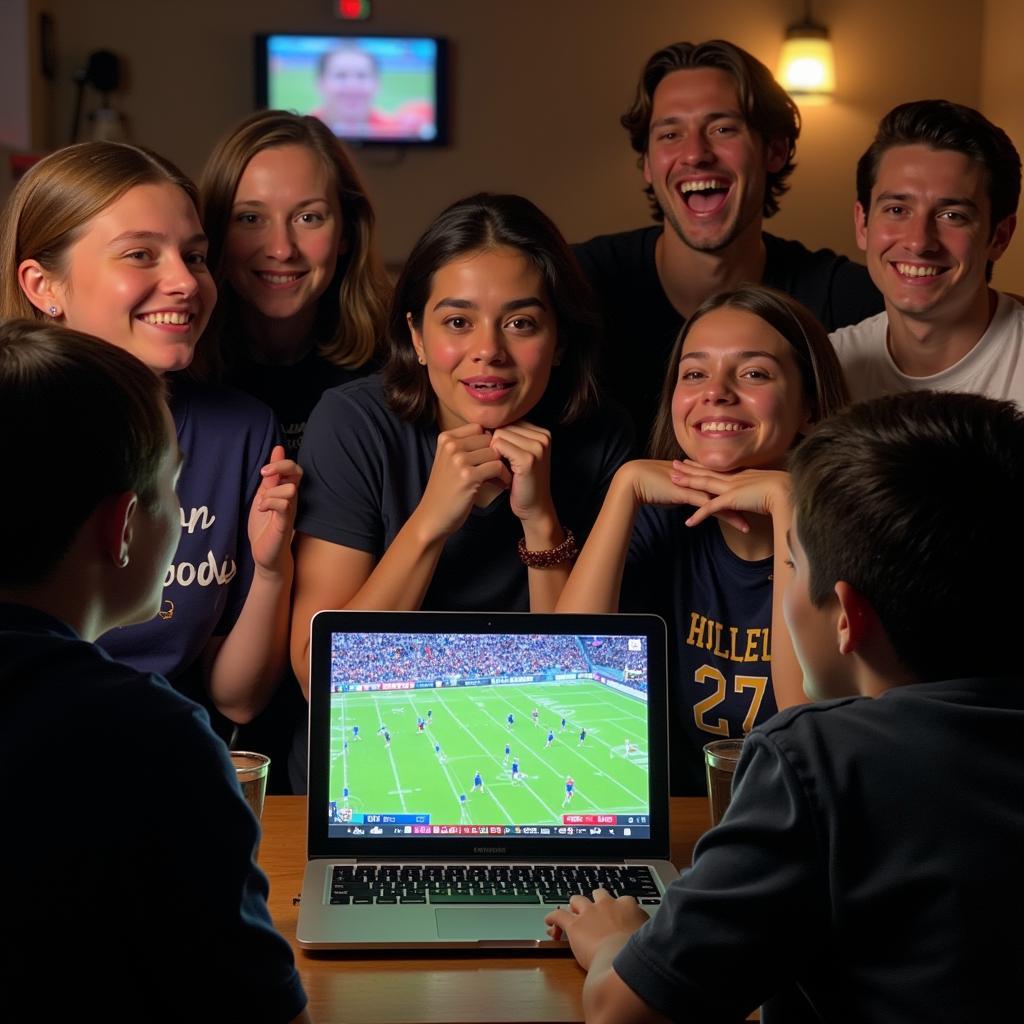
(587, 924)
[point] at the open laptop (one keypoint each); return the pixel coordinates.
(469, 771)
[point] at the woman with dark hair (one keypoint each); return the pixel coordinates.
(463, 475)
(303, 295)
(750, 373)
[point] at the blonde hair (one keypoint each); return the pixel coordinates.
(56, 199)
(353, 311)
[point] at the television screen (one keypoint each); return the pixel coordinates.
(367, 89)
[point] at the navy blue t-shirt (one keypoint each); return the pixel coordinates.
(718, 609)
(226, 438)
(128, 848)
(365, 471)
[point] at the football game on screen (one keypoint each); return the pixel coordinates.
(477, 734)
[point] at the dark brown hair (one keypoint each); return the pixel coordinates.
(91, 422)
(874, 507)
(940, 124)
(492, 222)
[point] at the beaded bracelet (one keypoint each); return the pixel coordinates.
(564, 552)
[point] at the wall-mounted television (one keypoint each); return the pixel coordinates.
(366, 89)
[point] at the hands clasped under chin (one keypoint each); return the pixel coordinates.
(468, 458)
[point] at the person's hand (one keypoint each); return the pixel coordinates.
(759, 491)
(658, 482)
(463, 463)
(587, 924)
(272, 514)
(526, 450)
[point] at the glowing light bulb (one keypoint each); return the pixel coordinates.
(807, 64)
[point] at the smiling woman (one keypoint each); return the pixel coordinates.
(135, 277)
(303, 303)
(105, 238)
(460, 476)
(749, 375)
(303, 294)
(488, 342)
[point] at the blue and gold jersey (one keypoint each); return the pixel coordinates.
(718, 609)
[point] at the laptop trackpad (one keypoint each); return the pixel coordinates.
(485, 923)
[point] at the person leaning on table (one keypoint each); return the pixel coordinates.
(143, 902)
(873, 840)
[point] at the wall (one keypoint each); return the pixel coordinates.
(15, 112)
(537, 89)
(1002, 88)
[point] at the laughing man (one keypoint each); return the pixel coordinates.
(716, 136)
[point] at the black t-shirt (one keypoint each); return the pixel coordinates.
(641, 325)
(871, 855)
(292, 391)
(366, 471)
(718, 610)
(128, 847)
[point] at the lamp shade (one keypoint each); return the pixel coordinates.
(807, 67)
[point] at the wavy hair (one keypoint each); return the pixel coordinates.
(765, 105)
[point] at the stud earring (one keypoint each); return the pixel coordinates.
(53, 311)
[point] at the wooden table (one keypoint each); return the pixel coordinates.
(449, 987)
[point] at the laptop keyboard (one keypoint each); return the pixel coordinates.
(462, 884)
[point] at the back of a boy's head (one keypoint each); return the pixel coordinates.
(81, 421)
(915, 500)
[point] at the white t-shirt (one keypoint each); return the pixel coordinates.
(994, 367)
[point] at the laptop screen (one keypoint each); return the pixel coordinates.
(470, 734)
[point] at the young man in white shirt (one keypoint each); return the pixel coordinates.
(937, 195)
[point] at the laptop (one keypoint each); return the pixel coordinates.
(469, 772)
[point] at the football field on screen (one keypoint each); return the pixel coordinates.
(470, 724)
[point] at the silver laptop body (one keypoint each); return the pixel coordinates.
(450, 752)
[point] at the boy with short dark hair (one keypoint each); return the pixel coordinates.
(128, 845)
(872, 844)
